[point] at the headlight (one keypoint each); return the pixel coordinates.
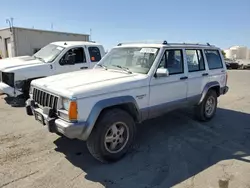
(65, 104)
(69, 111)
(19, 84)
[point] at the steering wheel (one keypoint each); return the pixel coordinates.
(143, 62)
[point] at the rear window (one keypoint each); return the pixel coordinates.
(95, 54)
(213, 59)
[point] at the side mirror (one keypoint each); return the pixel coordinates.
(70, 59)
(162, 72)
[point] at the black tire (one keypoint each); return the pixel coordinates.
(96, 141)
(18, 101)
(26, 91)
(200, 111)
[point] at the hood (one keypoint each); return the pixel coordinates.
(25, 67)
(90, 82)
(14, 63)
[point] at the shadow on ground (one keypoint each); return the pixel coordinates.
(168, 150)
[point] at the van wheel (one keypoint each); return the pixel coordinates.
(18, 101)
(207, 109)
(112, 136)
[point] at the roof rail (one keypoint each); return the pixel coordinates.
(141, 42)
(198, 44)
(164, 43)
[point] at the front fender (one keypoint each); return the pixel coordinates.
(99, 106)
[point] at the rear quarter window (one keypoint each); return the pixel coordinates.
(95, 54)
(213, 59)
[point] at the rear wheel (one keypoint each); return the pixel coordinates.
(207, 109)
(112, 136)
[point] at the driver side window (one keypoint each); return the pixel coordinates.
(173, 61)
(79, 54)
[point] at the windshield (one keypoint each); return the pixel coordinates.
(132, 59)
(48, 53)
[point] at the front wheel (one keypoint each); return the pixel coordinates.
(207, 109)
(112, 136)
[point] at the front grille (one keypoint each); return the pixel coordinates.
(45, 99)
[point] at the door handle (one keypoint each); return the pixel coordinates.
(205, 74)
(183, 78)
(83, 67)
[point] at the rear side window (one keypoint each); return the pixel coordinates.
(213, 59)
(95, 54)
(195, 60)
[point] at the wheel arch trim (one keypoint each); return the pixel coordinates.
(100, 105)
(206, 89)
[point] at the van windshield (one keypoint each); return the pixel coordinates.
(48, 53)
(130, 59)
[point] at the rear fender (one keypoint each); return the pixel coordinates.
(206, 89)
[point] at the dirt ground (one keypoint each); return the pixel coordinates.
(171, 151)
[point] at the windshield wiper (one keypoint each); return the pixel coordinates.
(41, 59)
(103, 66)
(123, 68)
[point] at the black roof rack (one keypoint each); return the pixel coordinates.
(166, 43)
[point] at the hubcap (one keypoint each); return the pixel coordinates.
(210, 106)
(116, 137)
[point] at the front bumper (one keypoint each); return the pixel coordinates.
(224, 90)
(6, 89)
(55, 124)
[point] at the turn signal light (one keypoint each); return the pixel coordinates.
(73, 111)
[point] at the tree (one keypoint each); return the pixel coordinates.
(223, 53)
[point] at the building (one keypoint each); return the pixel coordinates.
(238, 52)
(18, 41)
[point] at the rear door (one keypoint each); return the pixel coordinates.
(197, 73)
(217, 69)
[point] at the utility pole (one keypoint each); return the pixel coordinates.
(10, 22)
(90, 34)
(52, 26)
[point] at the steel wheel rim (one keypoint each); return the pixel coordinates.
(116, 137)
(210, 106)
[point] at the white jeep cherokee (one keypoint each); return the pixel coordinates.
(132, 83)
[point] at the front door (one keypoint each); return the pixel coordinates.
(168, 93)
(79, 64)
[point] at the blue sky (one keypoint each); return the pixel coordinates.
(220, 22)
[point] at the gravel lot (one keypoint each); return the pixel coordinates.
(171, 151)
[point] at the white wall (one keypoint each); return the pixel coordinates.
(248, 55)
(27, 40)
(240, 52)
(5, 34)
